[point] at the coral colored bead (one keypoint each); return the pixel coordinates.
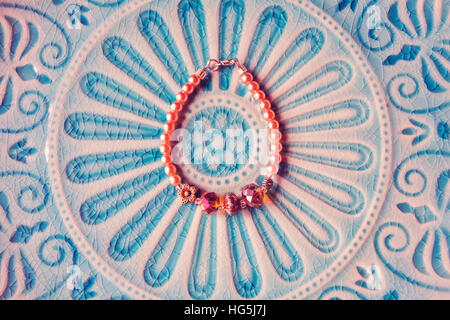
(265, 104)
(194, 79)
(169, 127)
(275, 135)
(165, 137)
(172, 116)
(188, 88)
(166, 159)
(175, 180)
(276, 147)
(246, 77)
(176, 106)
(268, 115)
(165, 148)
(272, 169)
(259, 95)
(253, 86)
(273, 124)
(170, 170)
(181, 96)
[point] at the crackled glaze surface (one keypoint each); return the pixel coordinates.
(359, 208)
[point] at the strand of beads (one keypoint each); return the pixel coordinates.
(171, 123)
(272, 124)
(252, 195)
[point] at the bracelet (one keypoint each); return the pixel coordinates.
(252, 194)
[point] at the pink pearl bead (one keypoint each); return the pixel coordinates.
(165, 137)
(253, 86)
(170, 169)
(172, 116)
(275, 158)
(176, 106)
(273, 124)
(165, 148)
(166, 159)
(268, 114)
(188, 88)
(169, 127)
(194, 79)
(275, 135)
(275, 147)
(246, 77)
(181, 96)
(265, 104)
(259, 95)
(272, 169)
(175, 180)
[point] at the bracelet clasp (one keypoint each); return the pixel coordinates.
(214, 64)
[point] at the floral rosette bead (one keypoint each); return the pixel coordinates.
(187, 193)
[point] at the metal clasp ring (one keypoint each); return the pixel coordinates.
(239, 65)
(213, 64)
(228, 62)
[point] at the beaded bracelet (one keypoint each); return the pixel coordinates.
(252, 194)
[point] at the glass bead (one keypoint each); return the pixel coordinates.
(253, 195)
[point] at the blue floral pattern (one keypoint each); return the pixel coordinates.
(86, 211)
